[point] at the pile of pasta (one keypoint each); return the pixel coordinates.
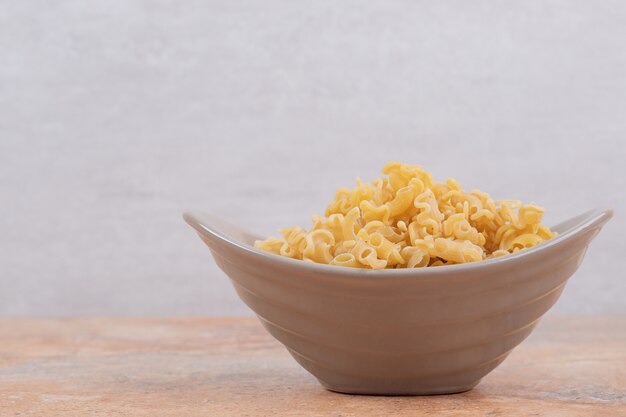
(407, 220)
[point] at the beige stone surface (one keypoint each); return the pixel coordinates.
(231, 367)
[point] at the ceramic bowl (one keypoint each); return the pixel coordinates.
(401, 331)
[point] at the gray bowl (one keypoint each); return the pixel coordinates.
(401, 331)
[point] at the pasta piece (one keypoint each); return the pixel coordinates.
(318, 246)
(271, 244)
(375, 213)
(350, 225)
(415, 257)
(294, 242)
(457, 251)
(385, 249)
(458, 227)
(346, 259)
(367, 255)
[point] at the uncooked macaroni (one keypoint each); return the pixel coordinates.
(407, 220)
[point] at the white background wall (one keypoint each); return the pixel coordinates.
(115, 116)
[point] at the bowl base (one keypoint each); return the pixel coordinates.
(362, 389)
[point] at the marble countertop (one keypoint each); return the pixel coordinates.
(570, 366)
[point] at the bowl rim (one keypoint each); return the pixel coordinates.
(591, 219)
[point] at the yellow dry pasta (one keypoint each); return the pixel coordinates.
(408, 220)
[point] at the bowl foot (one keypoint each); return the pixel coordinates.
(391, 390)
